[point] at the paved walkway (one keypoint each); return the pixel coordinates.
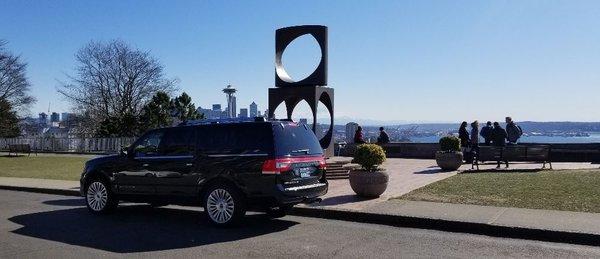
(405, 175)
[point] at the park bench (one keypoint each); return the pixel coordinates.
(514, 153)
(19, 148)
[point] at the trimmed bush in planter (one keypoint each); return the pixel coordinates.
(370, 180)
(449, 144)
(369, 156)
(449, 158)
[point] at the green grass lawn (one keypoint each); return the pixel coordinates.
(571, 190)
(46, 167)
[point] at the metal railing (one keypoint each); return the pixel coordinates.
(77, 145)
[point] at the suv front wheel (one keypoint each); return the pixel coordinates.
(224, 205)
(98, 197)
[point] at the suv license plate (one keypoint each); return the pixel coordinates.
(305, 172)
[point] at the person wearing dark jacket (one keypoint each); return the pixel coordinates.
(498, 137)
(463, 135)
(383, 138)
(358, 136)
(513, 131)
(465, 141)
(486, 132)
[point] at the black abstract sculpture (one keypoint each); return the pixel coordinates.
(312, 89)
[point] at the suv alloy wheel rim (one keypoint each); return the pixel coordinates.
(219, 206)
(97, 196)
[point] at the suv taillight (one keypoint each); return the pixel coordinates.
(278, 165)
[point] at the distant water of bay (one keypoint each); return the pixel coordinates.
(593, 138)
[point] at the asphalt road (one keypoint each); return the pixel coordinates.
(39, 225)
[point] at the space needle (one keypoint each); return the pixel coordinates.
(231, 109)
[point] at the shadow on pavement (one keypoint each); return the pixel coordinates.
(343, 199)
(66, 202)
(434, 170)
(138, 228)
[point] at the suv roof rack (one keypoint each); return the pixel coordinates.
(222, 121)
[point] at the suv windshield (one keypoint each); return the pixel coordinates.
(292, 139)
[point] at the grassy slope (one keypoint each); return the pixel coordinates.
(572, 190)
(47, 167)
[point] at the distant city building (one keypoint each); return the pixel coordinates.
(54, 117)
(243, 113)
(214, 113)
(65, 116)
(267, 113)
(254, 110)
(304, 121)
(259, 114)
(43, 119)
(231, 101)
(351, 128)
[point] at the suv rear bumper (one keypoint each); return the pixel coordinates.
(300, 194)
(281, 196)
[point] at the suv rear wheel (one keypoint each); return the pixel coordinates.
(98, 197)
(224, 205)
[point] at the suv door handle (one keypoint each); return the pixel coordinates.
(145, 165)
(189, 164)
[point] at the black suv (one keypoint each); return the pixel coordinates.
(227, 168)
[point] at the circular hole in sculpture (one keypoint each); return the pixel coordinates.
(301, 57)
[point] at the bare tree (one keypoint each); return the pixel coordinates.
(14, 86)
(114, 81)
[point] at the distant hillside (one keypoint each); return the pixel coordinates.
(560, 126)
(528, 126)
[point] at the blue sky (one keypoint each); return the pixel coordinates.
(388, 60)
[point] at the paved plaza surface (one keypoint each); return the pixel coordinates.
(405, 175)
(36, 225)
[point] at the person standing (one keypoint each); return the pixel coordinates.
(513, 131)
(358, 136)
(486, 132)
(383, 138)
(498, 137)
(474, 135)
(463, 135)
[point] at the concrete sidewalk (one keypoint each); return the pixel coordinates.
(61, 187)
(546, 225)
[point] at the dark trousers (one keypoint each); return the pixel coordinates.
(505, 161)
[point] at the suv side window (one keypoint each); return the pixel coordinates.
(236, 139)
(178, 142)
(148, 145)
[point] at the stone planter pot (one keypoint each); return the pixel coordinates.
(368, 184)
(449, 161)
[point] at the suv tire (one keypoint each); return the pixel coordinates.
(224, 205)
(99, 199)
